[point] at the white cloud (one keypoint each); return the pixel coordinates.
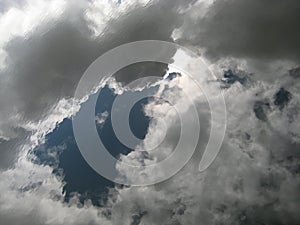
(101, 118)
(251, 181)
(33, 195)
(255, 178)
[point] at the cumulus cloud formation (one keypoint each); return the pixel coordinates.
(45, 47)
(252, 180)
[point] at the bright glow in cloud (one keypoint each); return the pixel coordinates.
(46, 45)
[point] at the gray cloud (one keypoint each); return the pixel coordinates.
(46, 64)
(260, 30)
(7, 4)
(9, 150)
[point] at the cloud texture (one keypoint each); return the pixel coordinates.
(45, 47)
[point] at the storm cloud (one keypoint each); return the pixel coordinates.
(47, 45)
(251, 29)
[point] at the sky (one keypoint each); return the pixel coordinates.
(252, 47)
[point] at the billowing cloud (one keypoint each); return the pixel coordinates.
(254, 180)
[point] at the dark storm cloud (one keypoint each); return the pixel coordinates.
(259, 29)
(46, 65)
